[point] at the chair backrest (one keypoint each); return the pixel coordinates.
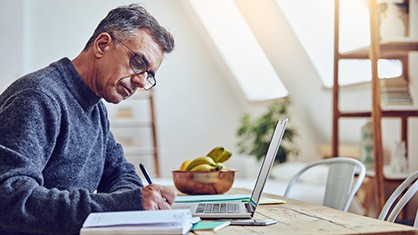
(404, 192)
(340, 189)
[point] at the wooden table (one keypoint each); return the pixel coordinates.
(296, 217)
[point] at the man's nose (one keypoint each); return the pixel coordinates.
(140, 79)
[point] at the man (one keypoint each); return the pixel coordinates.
(56, 148)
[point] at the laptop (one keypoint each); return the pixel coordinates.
(238, 210)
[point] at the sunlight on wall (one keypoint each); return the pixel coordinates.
(314, 26)
(356, 71)
(239, 49)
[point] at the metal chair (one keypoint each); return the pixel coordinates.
(404, 192)
(340, 189)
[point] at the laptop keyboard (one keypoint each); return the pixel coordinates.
(212, 208)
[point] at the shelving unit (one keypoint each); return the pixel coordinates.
(133, 125)
(377, 50)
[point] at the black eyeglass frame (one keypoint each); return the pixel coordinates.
(150, 75)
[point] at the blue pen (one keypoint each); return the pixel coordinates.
(148, 177)
(145, 172)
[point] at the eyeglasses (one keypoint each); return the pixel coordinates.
(140, 66)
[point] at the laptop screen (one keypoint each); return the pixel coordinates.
(267, 163)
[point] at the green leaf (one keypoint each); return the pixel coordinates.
(254, 134)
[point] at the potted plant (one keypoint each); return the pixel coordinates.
(254, 134)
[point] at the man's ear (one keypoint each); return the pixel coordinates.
(102, 44)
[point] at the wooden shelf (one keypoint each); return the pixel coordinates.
(377, 50)
(125, 123)
(130, 125)
(389, 175)
(388, 50)
(387, 113)
(354, 114)
(138, 151)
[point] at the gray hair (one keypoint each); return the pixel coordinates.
(123, 21)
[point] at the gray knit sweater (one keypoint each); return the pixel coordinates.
(56, 149)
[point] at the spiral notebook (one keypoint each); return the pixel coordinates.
(226, 210)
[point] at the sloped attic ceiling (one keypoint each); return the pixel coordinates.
(239, 49)
(311, 30)
(289, 61)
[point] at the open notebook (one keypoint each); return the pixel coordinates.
(138, 222)
(224, 210)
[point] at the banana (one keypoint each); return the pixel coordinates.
(224, 156)
(199, 161)
(216, 152)
(203, 167)
(221, 166)
(185, 164)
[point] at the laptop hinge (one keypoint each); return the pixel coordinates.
(249, 207)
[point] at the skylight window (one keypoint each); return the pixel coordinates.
(239, 49)
(357, 71)
(313, 24)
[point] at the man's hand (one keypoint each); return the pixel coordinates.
(157, 197)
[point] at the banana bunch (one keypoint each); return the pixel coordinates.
(212, 161)
(219, 154)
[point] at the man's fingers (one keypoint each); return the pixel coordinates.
(157, 197)
(163, 204)
(168, 194)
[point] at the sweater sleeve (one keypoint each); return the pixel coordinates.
(118, 173)
(28, 131)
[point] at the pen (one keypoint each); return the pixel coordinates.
(145, 172)
(148, 177)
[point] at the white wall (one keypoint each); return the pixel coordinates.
(311, 101)
(11, 46)
(198, 105)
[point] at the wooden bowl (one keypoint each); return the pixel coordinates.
(203, 182)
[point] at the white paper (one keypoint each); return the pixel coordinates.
(173, 218)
